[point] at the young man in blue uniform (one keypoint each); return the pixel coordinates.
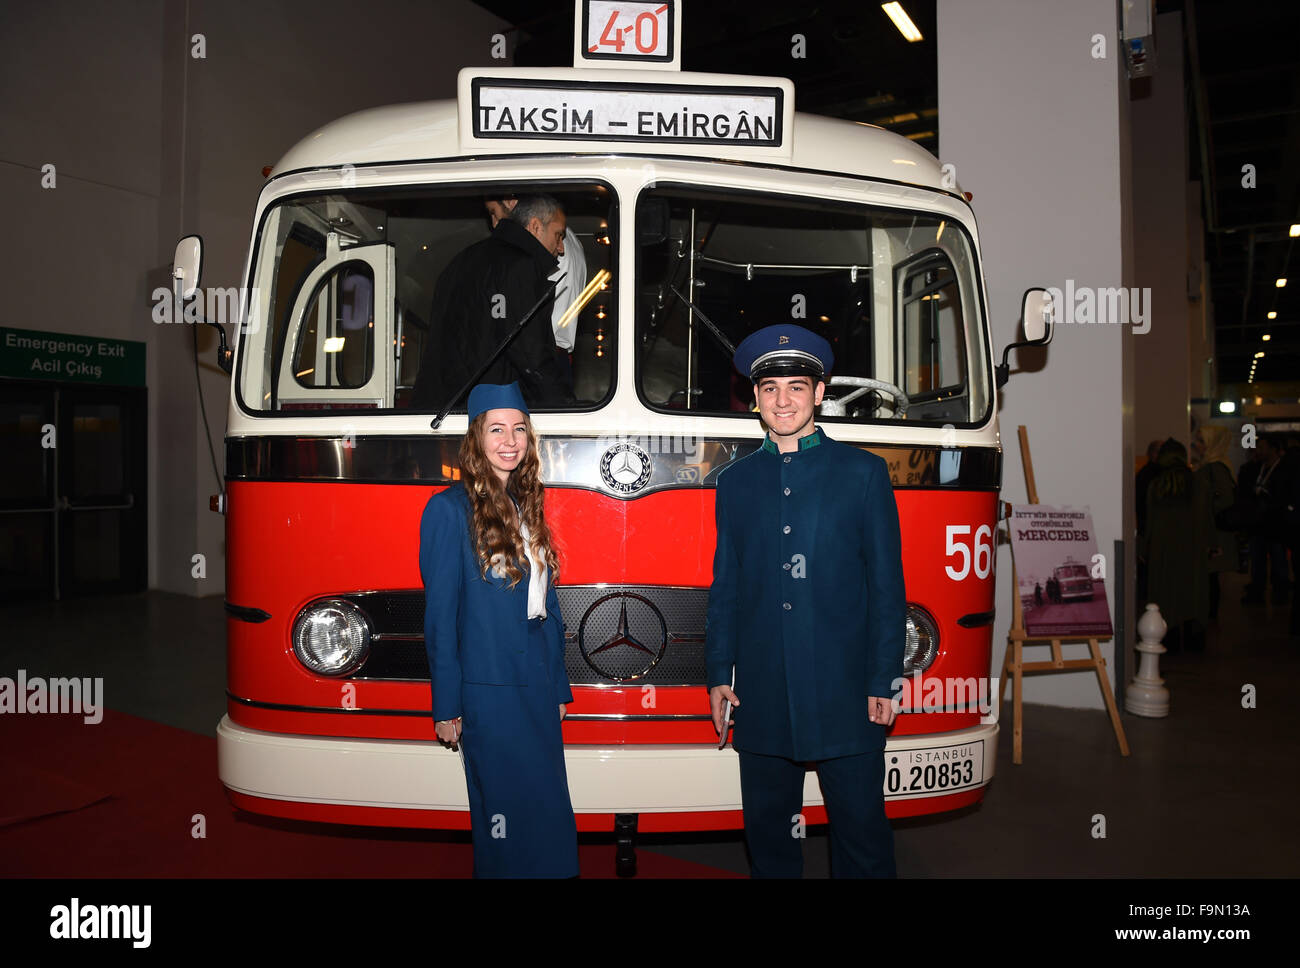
(807, 605)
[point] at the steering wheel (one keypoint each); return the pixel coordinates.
(838, 406)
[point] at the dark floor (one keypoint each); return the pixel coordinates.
(1210, 791)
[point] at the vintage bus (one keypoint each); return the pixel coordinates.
(1073, 581)
(692, 196)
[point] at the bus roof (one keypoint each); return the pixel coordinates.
(428, 130)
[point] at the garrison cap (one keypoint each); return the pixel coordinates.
(495, 396)
(783, 350)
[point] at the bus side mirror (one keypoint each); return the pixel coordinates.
(1037, 313)
(187, 266)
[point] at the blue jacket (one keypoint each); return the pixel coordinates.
(476, 629)
(807, 598)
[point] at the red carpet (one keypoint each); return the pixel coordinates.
(30, 792)
(119, 799)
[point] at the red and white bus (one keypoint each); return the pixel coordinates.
(1073, 581)
(676, 184)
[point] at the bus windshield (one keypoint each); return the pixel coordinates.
(345, 294)
(895, 292)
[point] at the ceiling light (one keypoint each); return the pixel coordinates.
(1281, 283)
(1273, 314)
(1267, 337)
(1227, 406)
(1259, 355)
(902, 21)
(1295, 231)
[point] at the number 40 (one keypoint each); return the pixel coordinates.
(983, 557)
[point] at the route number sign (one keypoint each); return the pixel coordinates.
(618, 30)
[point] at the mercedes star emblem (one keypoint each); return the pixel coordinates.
(622, 643)
(625, 468)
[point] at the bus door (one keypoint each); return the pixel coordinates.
(341, 345)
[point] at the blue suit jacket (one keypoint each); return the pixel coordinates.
(807, 598)
(476, 629)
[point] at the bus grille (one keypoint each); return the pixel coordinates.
(614, 634)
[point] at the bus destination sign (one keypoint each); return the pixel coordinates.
(662, 113)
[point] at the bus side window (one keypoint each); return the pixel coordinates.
(933, 357)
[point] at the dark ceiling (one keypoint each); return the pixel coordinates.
(1242, 74)
(1242, 84)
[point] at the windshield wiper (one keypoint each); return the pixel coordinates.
(442, 414)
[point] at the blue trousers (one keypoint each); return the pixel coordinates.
(771, 789)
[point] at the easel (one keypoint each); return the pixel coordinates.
(1014, 665)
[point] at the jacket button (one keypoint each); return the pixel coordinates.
(786, 529)
(787, 492)
(786, 566)
(787, 606)
(787, 460)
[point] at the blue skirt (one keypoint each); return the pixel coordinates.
(520, 813)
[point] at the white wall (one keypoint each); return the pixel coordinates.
(1161, 231)
(1037, 129)
(151, 144)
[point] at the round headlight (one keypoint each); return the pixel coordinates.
(331, 637)
(922, 643)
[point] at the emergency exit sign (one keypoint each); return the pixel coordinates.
(30, 354)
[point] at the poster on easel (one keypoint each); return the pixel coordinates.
(1061, 577)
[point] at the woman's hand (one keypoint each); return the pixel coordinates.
(562, 710)
(448, 731)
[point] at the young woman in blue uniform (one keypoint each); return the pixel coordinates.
(495, 641)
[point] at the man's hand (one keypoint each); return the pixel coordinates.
(880, 711)
(719, 695)
(562, 710)
(448, 731)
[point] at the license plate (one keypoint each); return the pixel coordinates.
(934, 771)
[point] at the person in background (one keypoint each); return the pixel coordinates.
(1291, 523)
(1246, 511)
(1210, 447)
(495, 643)
(1140, 485)
(1267, 546)
(1175, 545)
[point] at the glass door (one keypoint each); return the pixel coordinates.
(102, 518)
(28, 502)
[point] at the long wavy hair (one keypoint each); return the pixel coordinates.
(493, 529)
(1217, 440)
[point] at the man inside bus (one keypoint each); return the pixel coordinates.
(572, 275)
(480, 299)
(806, 618)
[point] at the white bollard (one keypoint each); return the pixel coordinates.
(1146, 694)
